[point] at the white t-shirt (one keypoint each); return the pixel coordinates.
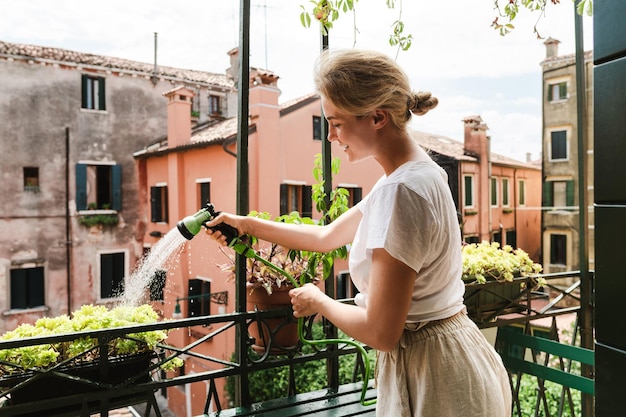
(412, 216)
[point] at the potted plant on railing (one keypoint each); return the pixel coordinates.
(267, 288)
(72, 366)
(496, 278)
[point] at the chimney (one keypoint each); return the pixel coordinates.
(475, 137)
(179, 102)
(552, 47)
(233, 71)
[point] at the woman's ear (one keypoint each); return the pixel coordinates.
(380, 118)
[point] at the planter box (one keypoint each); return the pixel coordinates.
(486, 301)
(87, 377)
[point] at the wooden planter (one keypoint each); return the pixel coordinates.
(486, 301)
(277, 334)
(87, 377)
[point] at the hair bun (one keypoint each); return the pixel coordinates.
(422, 102)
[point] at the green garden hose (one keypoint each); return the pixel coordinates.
(246, 251)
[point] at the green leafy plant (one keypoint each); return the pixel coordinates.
(326, 12)
(486, 261)
(108, 219)
(303, 266)
(512, 8)
(83, 349)
(309, 376)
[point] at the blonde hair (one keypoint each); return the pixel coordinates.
(359, 81)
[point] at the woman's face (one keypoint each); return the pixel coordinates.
(352, 134)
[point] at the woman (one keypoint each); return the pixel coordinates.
(405, 255)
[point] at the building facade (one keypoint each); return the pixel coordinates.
(72, 226)
(562, 161)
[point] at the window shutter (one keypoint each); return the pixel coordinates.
(569, 193)
(547, 193)
(101, 97)
(18, 289)
(116, 192)
(84, 89)
(283, 199)
(36, 296)
(357, 195)
(563, 91)
(307, 201)
(166, 212)
(81, 187)
(155, 204)
(550, 88)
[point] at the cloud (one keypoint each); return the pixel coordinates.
(455, 53)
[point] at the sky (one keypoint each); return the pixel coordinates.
(455, 53)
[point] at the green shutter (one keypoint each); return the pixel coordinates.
(116, 186)
(548, 186)
(550, 88)
(569, 193)
(101, 96)
(81, 187)
(563, 90)
(84, 89)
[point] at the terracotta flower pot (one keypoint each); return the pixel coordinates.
(277, 334)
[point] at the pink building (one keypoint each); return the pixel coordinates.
(198, 164)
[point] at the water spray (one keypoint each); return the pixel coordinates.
(190, 226)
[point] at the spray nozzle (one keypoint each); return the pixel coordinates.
(191, 225)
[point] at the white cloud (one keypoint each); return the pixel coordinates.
(454, 49)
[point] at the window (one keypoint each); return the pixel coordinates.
(317, 128)
(204, 192)
(558, 249)
(199, 302)
(472, 239)
(558, 145)
(497, 237)
(93, 93)
(521, 193)
(558, 194)
(31, 179)
(505, 192)
(494, 192)
(355, 194)
(344, 286)
(214, 105)
(112, 273)
(98, 186)
(511, 238)
(27, 288)
(468, 191)
(158, 204)
(295, 197)
(557, 91)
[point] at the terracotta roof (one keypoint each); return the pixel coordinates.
(455, 149)
(44, 53)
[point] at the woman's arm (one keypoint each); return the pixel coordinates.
(293, 236)
(381, 323)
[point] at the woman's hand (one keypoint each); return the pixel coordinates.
(226, 218)
(306, 300)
